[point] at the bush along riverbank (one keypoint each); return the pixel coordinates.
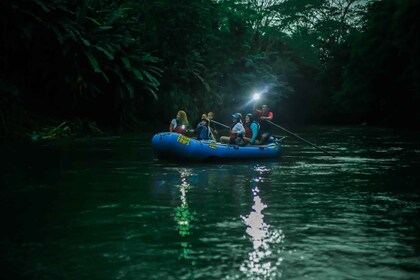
(42, 129)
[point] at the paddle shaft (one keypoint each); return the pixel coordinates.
(297, 136)
(220, 124)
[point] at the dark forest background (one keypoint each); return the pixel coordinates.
(133, 64)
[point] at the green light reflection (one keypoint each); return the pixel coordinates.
(183, 215)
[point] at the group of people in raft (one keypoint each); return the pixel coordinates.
(255, 131)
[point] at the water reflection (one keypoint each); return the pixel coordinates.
(261, 262)
(183, 215)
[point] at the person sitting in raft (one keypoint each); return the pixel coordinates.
(180, 123)
(202, 130)
(198, 122)
(263, 116)
(237, 132)
(252, 130)
(240, 118)
(212, 126)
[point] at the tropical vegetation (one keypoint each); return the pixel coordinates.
(133, 64)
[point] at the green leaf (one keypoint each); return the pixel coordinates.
(86, 42)
(152, 90)
(95, 65)
(105, 77)
(126, 62)
(105, 51)
(137, 73)
(93, 62)
(42, 5)
(58, 34)
(94, 20)
(150, 77)
(105, 27)
(67, 27)
(130, 90)
(155, 70)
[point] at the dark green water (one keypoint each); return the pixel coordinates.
(104, 208)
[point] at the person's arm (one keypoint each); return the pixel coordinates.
(241, 130)
(258, 114)
(235, 129)
(213, 127)
(254, 108)
(171, 126)
(254, 129)
(199, 129)
(211, 135)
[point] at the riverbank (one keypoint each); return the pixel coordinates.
(23, 125)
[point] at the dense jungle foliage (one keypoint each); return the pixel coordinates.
(134, 64)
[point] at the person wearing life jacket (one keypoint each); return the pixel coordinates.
(252, 130)
(262, 117)
(237, 132)
(240, 117)
(198, 122)
(180, 123)
(203, 130)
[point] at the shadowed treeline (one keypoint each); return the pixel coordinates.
(133, 64)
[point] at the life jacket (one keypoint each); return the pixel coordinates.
(181, 129)
(203, 133)
(248, 130)
(264, 125)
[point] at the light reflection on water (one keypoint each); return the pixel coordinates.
(260, 264)
(183, 214)
(106, 209)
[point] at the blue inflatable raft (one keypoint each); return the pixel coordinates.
(167, 145)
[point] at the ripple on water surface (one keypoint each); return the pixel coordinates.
(107, 209)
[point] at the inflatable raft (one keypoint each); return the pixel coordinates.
(168, 145)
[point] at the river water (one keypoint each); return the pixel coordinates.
(105, 208)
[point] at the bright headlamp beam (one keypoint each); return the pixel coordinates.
(256, 96)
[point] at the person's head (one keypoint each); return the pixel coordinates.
(210, 115)
(204, 121)
(249, 118)
(265, 108)
(182, 116)
(236, 118)
(203, 116)
(240, 115)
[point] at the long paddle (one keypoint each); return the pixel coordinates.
(297, 136)
(220, 124)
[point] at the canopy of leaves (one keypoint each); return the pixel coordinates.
(381, 79)
(125, 62)
(69, 58)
